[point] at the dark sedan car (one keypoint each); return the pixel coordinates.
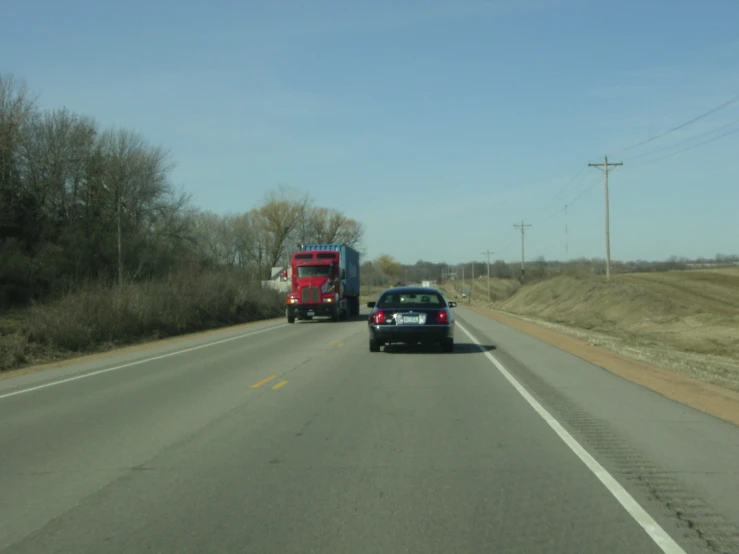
(411, 315)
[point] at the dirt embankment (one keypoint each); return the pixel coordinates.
(683, 325)
(684, 321)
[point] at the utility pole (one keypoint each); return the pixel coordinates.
(472, 288)
(488, 252)
(605, 165)
(522, 226)
(120, 243)
(567, 237)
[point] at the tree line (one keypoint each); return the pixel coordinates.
(80, 204)
(386, 270)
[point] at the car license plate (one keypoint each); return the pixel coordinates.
(311, 312)
(411, 320)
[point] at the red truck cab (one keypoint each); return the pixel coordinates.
(320, 287)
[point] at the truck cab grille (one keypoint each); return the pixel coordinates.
(310, 295)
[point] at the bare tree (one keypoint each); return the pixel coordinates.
(501, 270)
(169, 237)
(16, 108)
(327, 225)
(249, 240)
(389, 267)
(216, 239)
(279, 218)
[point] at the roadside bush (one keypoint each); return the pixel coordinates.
(13, 350)
(100, 315)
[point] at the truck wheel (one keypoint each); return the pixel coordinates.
(335, 315)
(290, 318)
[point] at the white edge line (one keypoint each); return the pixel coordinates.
(138, 362)
(640, 515)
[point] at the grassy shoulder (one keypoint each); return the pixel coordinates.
(99, 318)
(683, 321)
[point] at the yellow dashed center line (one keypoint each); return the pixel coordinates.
(340, 345)
(260, 383)
(279, 385)
(334, 341)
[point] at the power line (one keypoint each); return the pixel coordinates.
(582, 193)
(689, 139)
(560, 193)
(697, 118)
(687, 149)
(591, 186)
(506, 247)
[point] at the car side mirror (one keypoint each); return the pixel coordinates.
(371, 304)
(452, 304)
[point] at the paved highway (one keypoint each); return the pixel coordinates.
(296, 439)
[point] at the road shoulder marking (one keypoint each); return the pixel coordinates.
(137, 362)
(639, 514)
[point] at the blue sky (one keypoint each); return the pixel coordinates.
(437, 124)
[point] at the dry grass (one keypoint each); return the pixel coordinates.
(500, 289)
(685, 321)
(369, 293)
(98, 317)
(691, 311)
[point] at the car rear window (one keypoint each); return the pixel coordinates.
(411, 300)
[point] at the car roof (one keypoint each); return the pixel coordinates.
(414, 290)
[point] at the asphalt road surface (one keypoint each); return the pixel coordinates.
(296, 439)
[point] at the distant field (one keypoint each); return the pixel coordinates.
(687, 321)
(369, 294)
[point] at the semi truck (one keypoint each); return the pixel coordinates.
(324, 282)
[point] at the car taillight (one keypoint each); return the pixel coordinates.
(379, 317)
(442, 316)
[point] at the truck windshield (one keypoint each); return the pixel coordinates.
(313, 270)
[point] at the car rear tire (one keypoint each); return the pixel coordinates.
(374, 346)
(448, 346)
